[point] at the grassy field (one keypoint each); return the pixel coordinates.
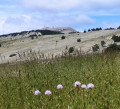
(103, 70)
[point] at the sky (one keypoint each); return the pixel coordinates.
(22, 15)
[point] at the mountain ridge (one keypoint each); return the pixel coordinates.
(43, 31)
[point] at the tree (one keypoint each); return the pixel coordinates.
(32, 37)
(93, 29)
(118, 27)
(113, 47)
(95, 48)
(84, 31)
(116, 38)
(63, 37)
(103, 43)
(78, 40)
(71, 49)
(89, 30)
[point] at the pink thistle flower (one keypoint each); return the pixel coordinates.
(59, 87)
(48, 92)
(37, 92)
(84, 86)
(77, 84)
(90, 86)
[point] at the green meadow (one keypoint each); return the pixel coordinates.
(19, 81)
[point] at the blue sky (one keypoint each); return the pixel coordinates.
(20, 15)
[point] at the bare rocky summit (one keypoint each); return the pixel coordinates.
(64, 30)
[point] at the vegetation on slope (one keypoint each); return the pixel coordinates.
(43, 32)
(113, 47)
(116, 38)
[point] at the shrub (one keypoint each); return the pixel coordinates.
(89, 30)
(95, 48)
(118, 27)
(113, 47)
(78, 40)
(84, 31)
(93, 29)
(31, 36)
(63, 37)
(71, 49)
(116, 38)
(110, 28)
(103, 43)
(12, 55)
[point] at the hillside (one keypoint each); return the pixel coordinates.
(14, 47)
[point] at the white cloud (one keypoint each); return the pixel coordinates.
(68, 20)
(83, 19)
(71, 4)
(16, 24)
(51, 4)
(25, 22)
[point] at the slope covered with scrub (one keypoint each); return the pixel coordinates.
(52, 44)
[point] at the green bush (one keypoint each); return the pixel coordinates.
(31, 36)
(85, 31)
(78, 40)
(71, 49)
(12, 55)
(63, 37)
(116, 38)
(113, 47)
(103, 43)
(95, 48)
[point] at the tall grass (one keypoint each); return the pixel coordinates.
(19, 81)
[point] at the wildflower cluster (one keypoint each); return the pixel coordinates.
(89, 86)
(60, 87)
